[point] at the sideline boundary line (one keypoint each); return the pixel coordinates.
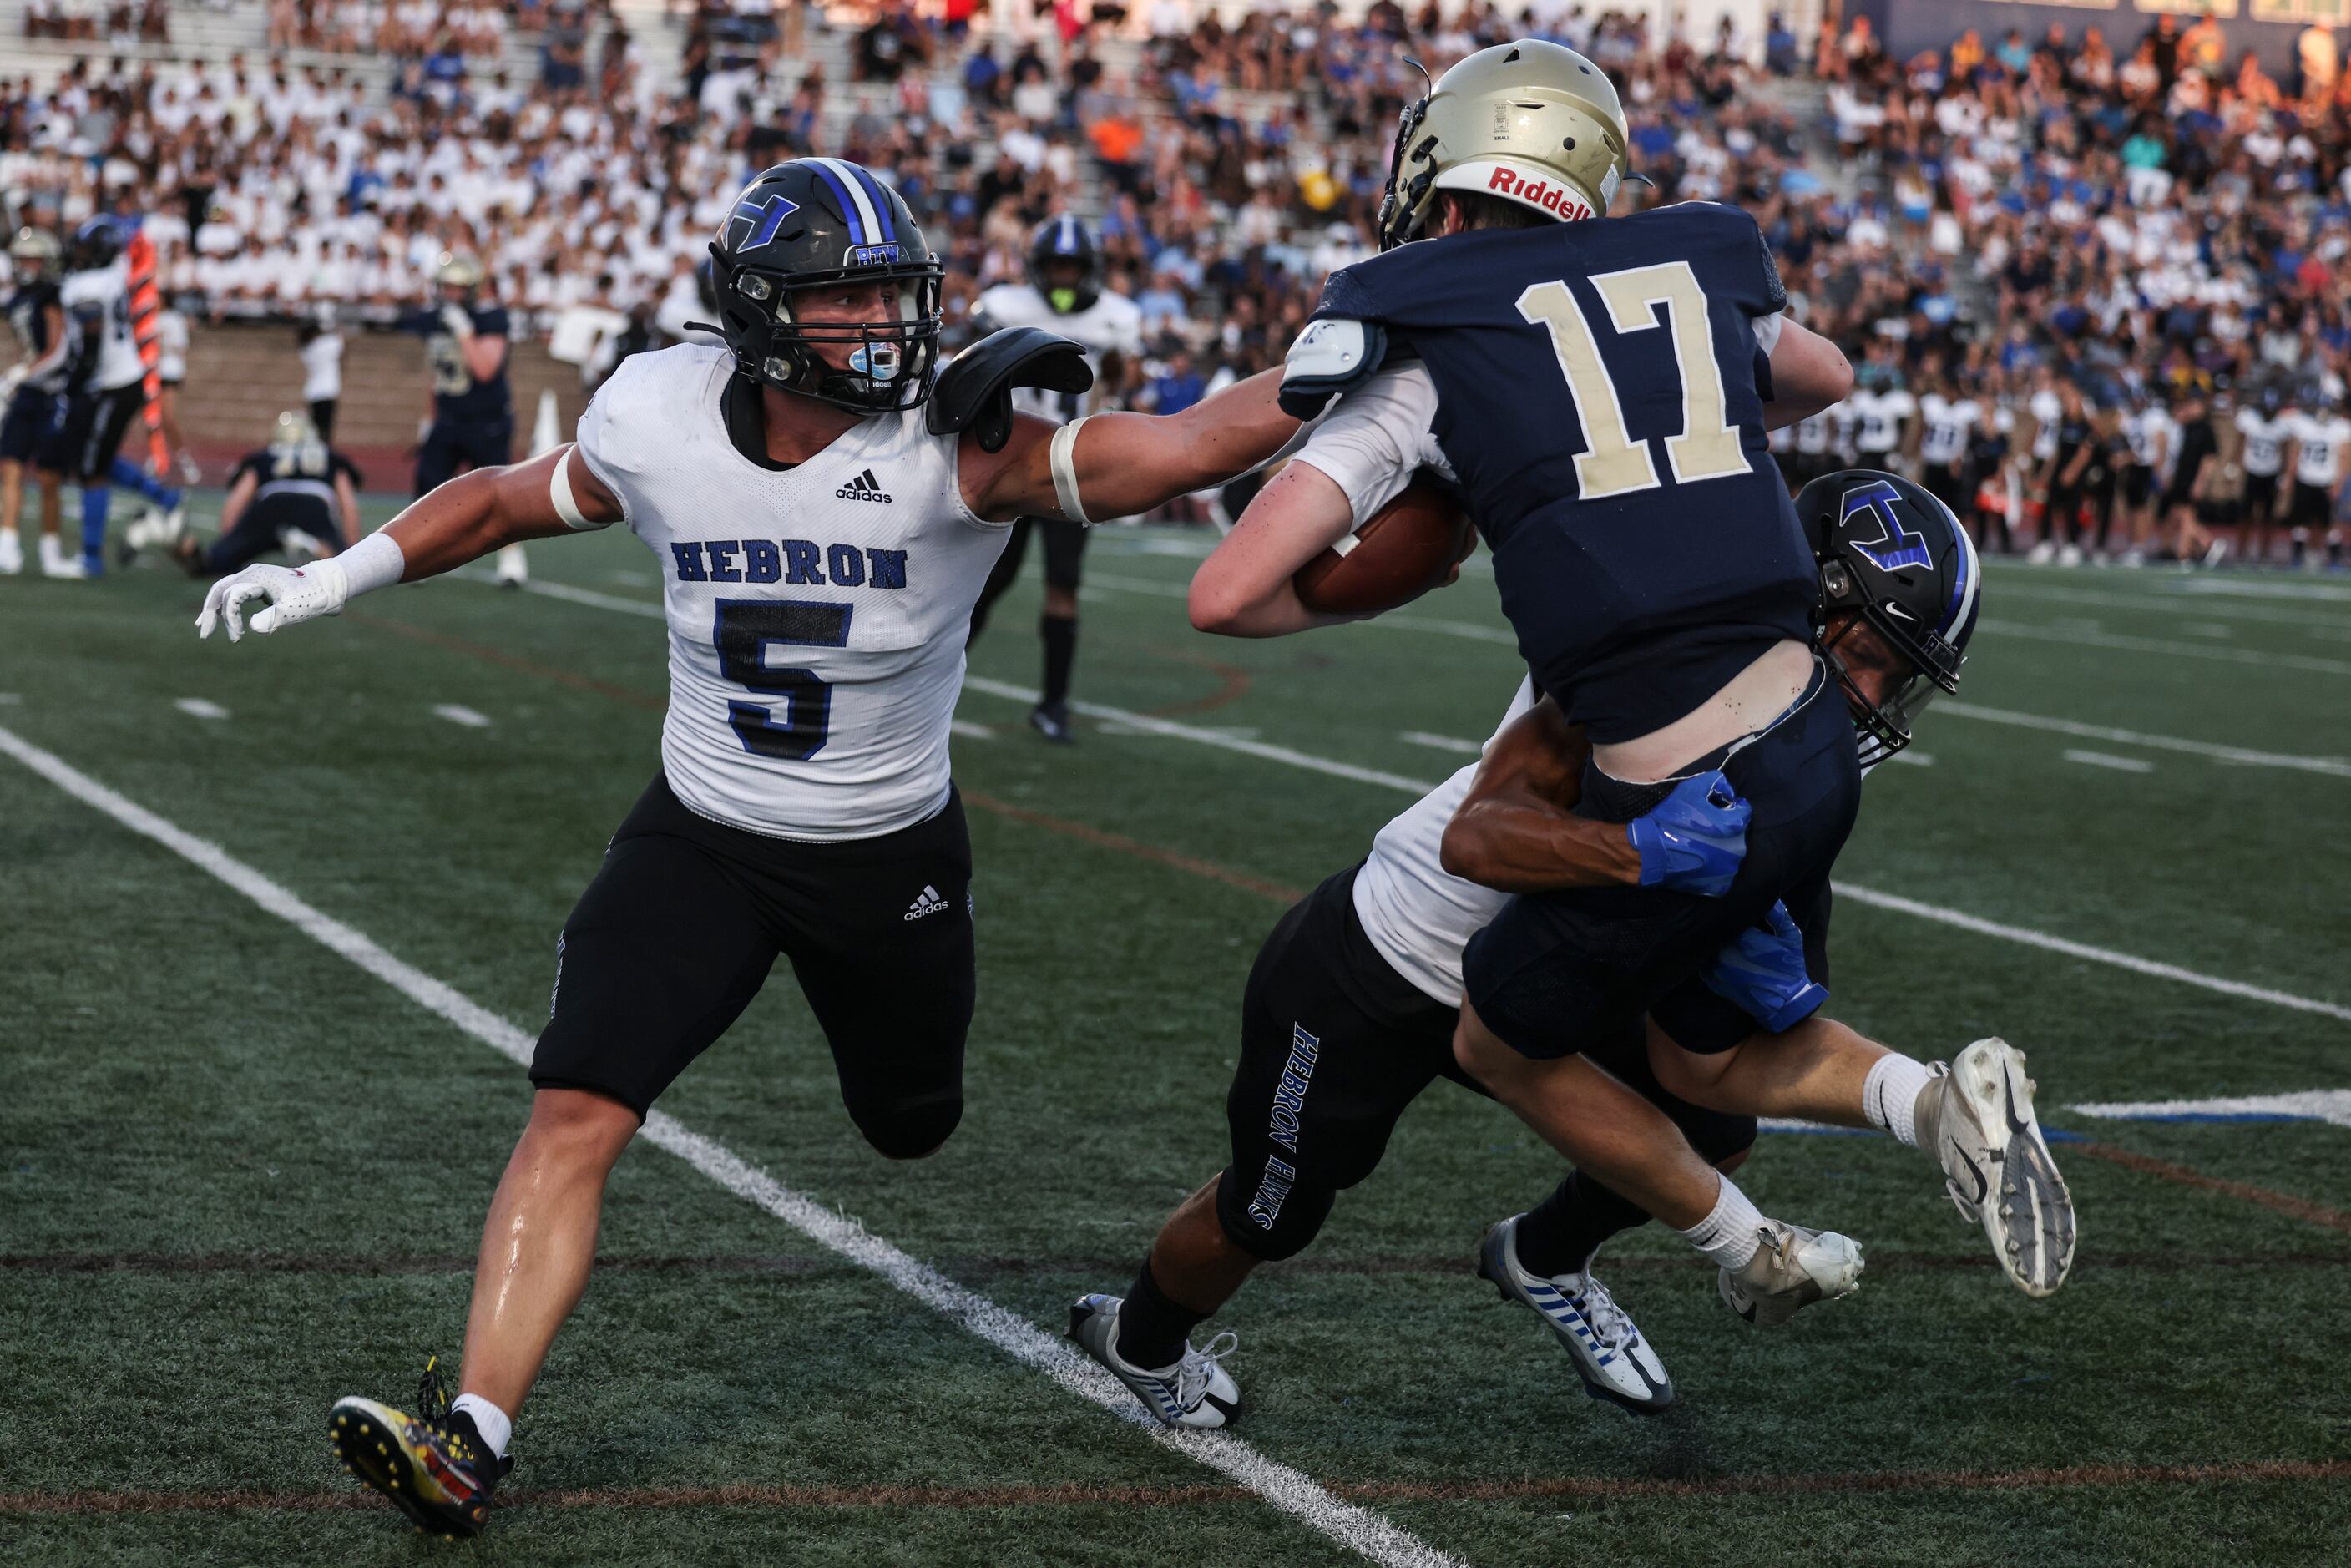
(1291, 1491)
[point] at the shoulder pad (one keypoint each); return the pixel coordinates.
(973, 389)
(1334, 355)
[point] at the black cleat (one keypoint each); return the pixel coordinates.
(1051, 720)
(433, 1468)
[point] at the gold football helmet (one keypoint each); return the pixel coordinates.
(36, 252)
(457, 270)
(1531, 122)
(293, 428)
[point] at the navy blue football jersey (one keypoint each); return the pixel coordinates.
(28, 317)
(457, 397)
(1599, 396)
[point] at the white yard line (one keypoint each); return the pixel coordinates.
(2334, 767)
(1291, 1491)
(199, 708)
(458, 714)
(1452, 743)
(2085, 637)
(969, 730)
(2107, 760)
(2169, 601)
(2310, 1106)
(1963, 921)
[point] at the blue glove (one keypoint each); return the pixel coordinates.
(1694, 839)
(1764, 973)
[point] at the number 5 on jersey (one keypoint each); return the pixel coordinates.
(1613, 463)
(744, 630)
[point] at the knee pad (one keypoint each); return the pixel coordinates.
(908, 1130)
(1715, 1134)
(1271, 1215)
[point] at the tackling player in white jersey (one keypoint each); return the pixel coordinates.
(1064, 293)
(824, 511)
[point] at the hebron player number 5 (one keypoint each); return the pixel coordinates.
(804, 810)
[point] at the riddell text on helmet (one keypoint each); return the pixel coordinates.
(1543, 193)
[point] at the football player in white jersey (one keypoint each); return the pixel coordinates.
(2265, 421)
(2322, 441)
(110, 391)
(1350, 1010)
(1064, 295)
(1948, 418)
(824, 511)
(2153, 437)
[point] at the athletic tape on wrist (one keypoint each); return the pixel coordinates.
(558, 490)
(1063, 457)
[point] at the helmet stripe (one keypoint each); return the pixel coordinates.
(862, 227)
(1960, 612)
(880, 200)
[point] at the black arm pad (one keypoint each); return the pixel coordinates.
(974, 391)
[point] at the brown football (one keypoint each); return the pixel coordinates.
(1402, 550)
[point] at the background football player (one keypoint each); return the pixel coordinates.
(1064, 293)
(33, 402)
(2322, 441)
(805, 808)
(294, 486)
(107, 389)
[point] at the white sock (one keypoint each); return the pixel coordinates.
(1727, 1235)
(494, 1424)
(1889, 1095)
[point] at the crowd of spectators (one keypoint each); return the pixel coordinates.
(2141, 217)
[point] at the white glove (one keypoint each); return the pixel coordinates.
(458, 322)
(295, 595)
(10, 381)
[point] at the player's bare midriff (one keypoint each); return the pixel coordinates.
(1752, 699)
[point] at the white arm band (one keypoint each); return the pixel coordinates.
(558, 490)
(374, 562)
(1063, 455)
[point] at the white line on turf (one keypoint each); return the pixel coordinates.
(2333, 766)
(458, 714)
(969, 730)
(1313, 764)
(1452, 743)
(1912, 758)
(2086, 638)
(10, 699)
(1292, 1490)
(1215, 738)
(2170, 602)
(2107, 760)
(199, 708)
(2310, 1106)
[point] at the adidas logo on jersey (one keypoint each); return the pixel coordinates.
(930, 902)
(865, 487)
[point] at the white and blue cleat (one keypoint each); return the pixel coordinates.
(1977, 1120)
(1615, 1361)
(1196, 1394)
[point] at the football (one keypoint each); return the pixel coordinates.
(1403, 550)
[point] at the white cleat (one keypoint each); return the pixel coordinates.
(2042, 553)
(56, 563)
(513, 568)
(1996, 1165)
(12, 554)
(1615, 1362)
(1195, 1392)
(2070, 556)
(155, 529)
(1793, 1269)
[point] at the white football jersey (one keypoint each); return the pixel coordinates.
(817, 615)
(2319, 442)
(2265, 441)
(1813, 435)
(1881, 415)
(1112, 324)
(1419, 915)
(2150, 432)
(105, 292)
(1949, 422)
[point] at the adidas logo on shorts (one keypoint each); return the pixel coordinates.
(865, 487)
(930, 902)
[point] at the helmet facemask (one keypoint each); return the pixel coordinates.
(889, 362)
(1929, 665)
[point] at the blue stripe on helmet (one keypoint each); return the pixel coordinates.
(881, 202)
(857, 234)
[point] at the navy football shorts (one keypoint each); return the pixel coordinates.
(1556, 971)
(29, 429)
(449, 446)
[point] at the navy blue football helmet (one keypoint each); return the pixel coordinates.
(811, 223)
(98, 241)
(1065, 239)
(1892, 556)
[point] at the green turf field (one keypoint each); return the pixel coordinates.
(243, 1176)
